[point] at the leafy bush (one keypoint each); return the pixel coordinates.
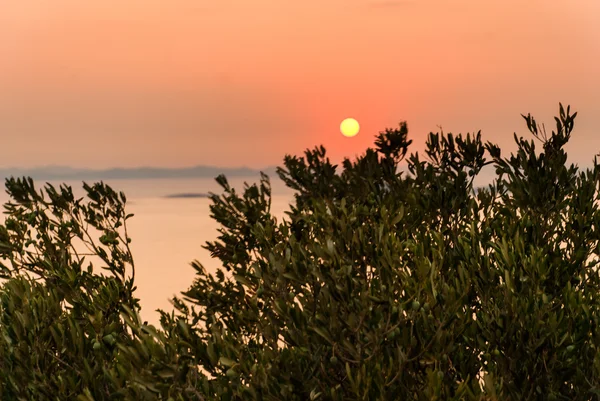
(378, 285)
(67, 332)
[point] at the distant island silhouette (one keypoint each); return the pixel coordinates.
(188, 195)
(69, 173)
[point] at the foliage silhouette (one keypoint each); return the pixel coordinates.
(376, 286)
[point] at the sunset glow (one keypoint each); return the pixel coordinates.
(170, 82)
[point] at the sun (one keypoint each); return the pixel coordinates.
(349, 127)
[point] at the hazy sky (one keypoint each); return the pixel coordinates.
(100, 83)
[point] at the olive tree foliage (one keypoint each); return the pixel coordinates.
(69, 329)
(377, 285)
(380, 285)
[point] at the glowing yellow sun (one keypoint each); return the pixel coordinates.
(349, 127)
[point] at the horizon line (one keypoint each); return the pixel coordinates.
(63, 166)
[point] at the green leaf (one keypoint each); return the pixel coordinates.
(323, 333)
(226, 361)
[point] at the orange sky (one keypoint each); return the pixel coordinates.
(102, 83)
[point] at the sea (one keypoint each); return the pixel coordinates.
(168, 232)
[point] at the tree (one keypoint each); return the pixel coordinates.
(382, 286)
(68, 331)
(376, 286)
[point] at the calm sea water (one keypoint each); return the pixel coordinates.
(168, 233)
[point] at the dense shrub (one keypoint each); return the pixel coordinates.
(378, 285)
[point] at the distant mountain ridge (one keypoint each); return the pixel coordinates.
(69, 173)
